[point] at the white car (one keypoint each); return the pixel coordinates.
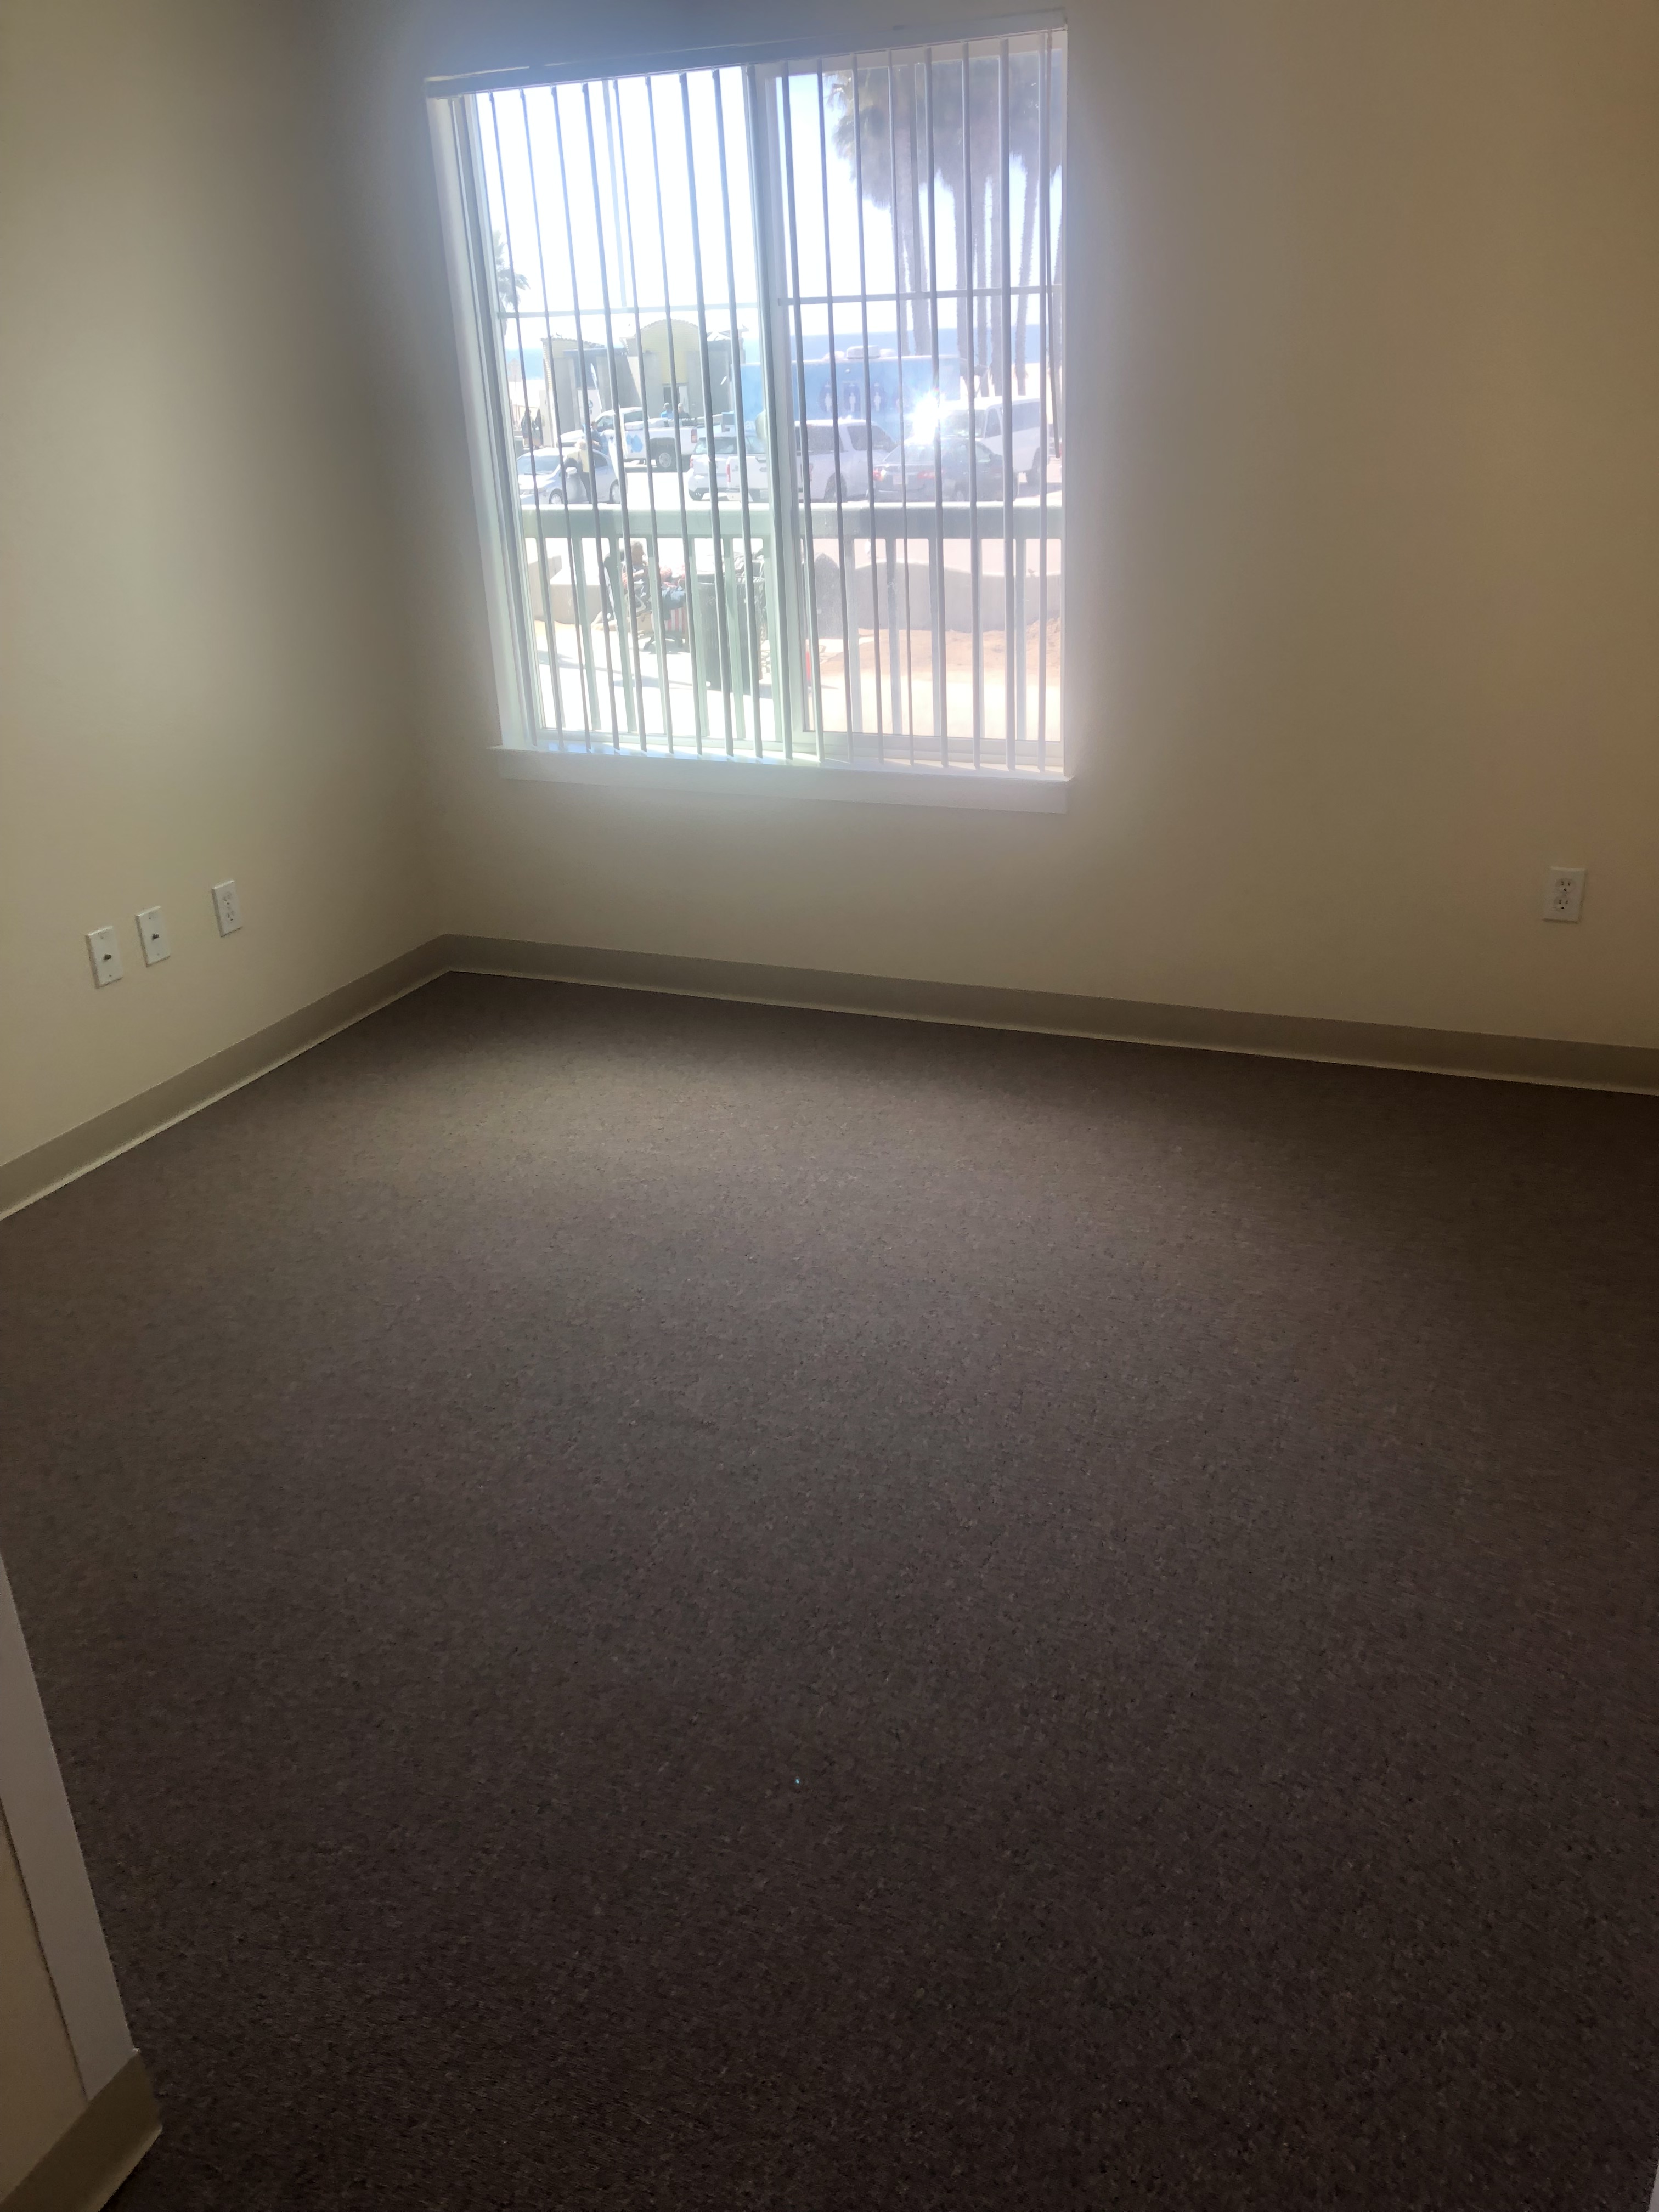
(728, 470)
(554, 480)
(1027, 429)
(838, 458)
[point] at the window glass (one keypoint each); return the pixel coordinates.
(854, 259)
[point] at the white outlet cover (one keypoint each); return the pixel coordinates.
(105, 955)
(153, 935)
(1564, 894)
(227, 907)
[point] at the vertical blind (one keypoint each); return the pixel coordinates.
(777, 362)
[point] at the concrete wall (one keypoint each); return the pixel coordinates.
(198, 633)
(1364, 335)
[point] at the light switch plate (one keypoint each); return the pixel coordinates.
(105, 954)
(227, 907)
(153, 935)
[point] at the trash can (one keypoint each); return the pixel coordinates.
(732, 670)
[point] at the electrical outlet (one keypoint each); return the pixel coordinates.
(153, 935)
(1564, 894)
(105, 954)
(227, 907)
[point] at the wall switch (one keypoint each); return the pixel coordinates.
(153, 935)
(105, 956)
(1564, 894)
(227, 907)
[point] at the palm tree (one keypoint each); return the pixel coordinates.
(508, 284)
(888, 143)
(1025, 120)
(983, 195)
(879, 127)
(965, 150)
(882, 144)
(1024, 135)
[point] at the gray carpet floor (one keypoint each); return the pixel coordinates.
(657, 1604)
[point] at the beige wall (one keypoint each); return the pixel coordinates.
(40, 2092)
(199, 676)
(1364, 344)
(1364, 328)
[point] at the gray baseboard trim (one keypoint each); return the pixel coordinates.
(85, 2168)
(1557, 1060)
(60, 1159)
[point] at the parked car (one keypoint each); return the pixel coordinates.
(724, 425)
(1027, 435)
(916, 473)
(575, 440)
(648, 441)
(838, 458)
(728, 470)
(668, 453)
(552, 480)
(635, 448)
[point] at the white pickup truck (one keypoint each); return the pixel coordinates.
(647, 441)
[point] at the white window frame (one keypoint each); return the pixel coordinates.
(521, 752)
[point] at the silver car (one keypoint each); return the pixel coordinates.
(549, 480)
(837, 457)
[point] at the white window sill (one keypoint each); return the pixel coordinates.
(890, 785)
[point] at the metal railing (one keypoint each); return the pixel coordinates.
(910, 614)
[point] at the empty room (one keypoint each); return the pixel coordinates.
(829, 1106)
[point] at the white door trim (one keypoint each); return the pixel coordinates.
(54, 1874)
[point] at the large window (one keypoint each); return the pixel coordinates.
(772, 375)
